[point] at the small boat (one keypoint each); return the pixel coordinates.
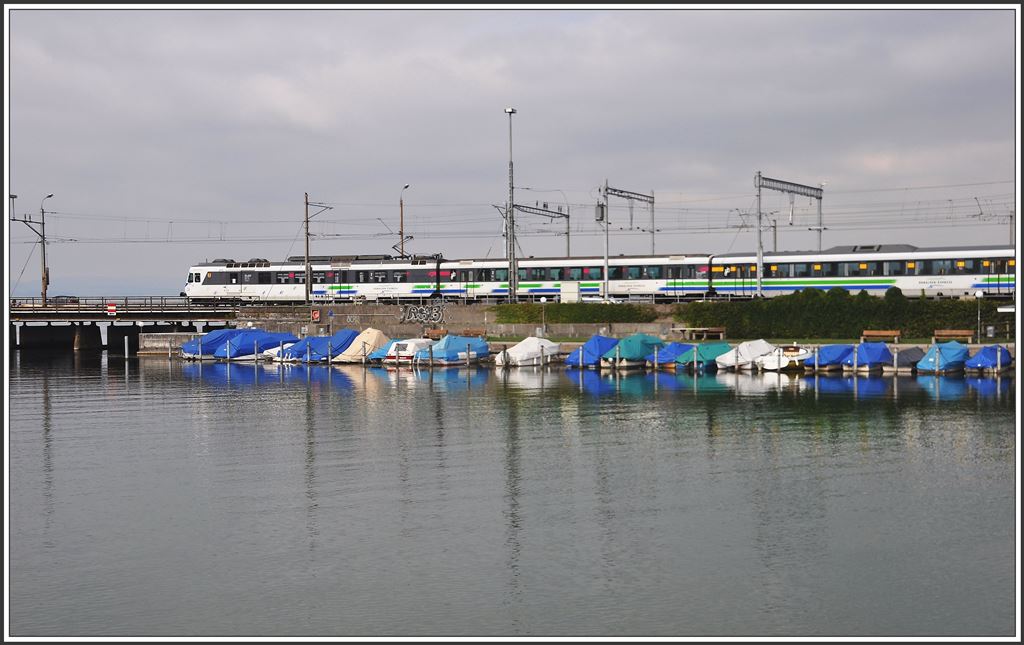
(906, 361)
(530, 351)
(785, 358)
(829, 358)
(401, 352)
(204, 346)
(944, 358)
(453, 350)
(704, 354)
(868, 358)
(990, 359)
(362, 346)
(631, 352)
(318, 349)
(744, 355)
(250, 344)
(589, 353)
(665, 357)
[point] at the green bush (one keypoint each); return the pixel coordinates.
(574, 313)
(836, 313)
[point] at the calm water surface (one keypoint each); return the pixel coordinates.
(162, 498)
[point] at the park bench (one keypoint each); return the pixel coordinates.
(952, 334)
(435, 334)
(474, 332)
(877, 334)
(691, 333)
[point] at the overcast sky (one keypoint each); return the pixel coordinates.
(172, 136)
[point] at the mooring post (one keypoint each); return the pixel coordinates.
(467, 355)
(255, 351)
(126, 345)
(999, 360)
(617, 355)
(430, 356)
(695, 359)
(938, 359)
(895, 359)
(581, 362)
(542, 356)
(307, 354)
(200, 349)
(816, 358)
(656, 357)
(856, 350)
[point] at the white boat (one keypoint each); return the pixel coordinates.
(744, 355)
(273, 353)
(785, 358)
(530, 351)
(401, 352)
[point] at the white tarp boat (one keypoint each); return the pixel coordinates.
(401, 352)
(785, 358)
(744, 355)
(530, 351)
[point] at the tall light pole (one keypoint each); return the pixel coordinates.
(322, 207)
(510, 219)
(605, 213)
(978, 295)
(42, 245)
(401, 222)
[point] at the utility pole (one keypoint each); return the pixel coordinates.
(401, 223)
(510, 219)
(760, 250)
(322, 207)
(782, 187)
(550, 214)
(41, 232)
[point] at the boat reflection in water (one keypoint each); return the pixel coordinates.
(634, 384)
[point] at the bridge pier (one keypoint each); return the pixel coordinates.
(88, 337)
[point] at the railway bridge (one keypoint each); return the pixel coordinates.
(107, 322)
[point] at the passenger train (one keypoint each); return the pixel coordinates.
(918, 272)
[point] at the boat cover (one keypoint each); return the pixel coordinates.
(320, 348)
(670, 352)
(258, 339)
(909, 357)
(951, 355)
(379, 353)
(869, 355)
(745, 353)
(706, 353)
(592, 350)
(528, 352)
(988, 357)
(452, 349)
(633, 348)
(210, 342)
(366, 343)
(831, 355)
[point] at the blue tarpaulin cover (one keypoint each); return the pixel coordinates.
(988, 357)
(244, 343)
(831, 355)
(210, 342)
(321, 348)
(669, 353)
(951, 355)
(870, 354)
(592, 351)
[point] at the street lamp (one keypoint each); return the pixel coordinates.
(978, 295)
(510, 219)
(401, 223)
(42, 234)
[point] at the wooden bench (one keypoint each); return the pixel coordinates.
(691, 333)
(474, 332)
(952, 334)
(876, 334)
(435, 334)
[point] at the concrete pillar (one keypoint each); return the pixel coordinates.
(103, 327)
(17, 334)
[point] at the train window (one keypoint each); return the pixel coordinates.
(801, 270)
(234, 277)
(556, 273)
(701, 271)
(299, 277)
(465, 275)
(264, 277)
(941, 267)
(575, 273)
(653, 272)
(538, 273)
(966, 266)
(500, 275)
(593, 273)
(248, 277)
(197, 278)
(633, 273)
(318, 277)
(522, 274)
(190, 276)
(826, 269)
(362, 276)
(893, 268)
(400, 276)
(994, 266)
(615, 273)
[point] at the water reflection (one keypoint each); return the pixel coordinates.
(598, 384)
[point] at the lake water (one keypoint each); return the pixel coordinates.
(158, 498)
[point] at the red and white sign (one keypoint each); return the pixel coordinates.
(111, 309)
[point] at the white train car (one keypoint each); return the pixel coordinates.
(925, 272)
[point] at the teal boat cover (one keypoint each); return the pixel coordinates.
(950, 356)
(669, 353)
(633, 348)
(452, 349)
(706, 353)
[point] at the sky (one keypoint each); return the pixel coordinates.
(169, 137)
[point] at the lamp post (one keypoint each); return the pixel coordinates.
(978, 295)
(42, 245)
(401, 223)
(510, 219)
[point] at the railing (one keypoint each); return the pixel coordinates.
(114, 305)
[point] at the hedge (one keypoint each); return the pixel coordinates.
(574, 313)
(835, 313)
